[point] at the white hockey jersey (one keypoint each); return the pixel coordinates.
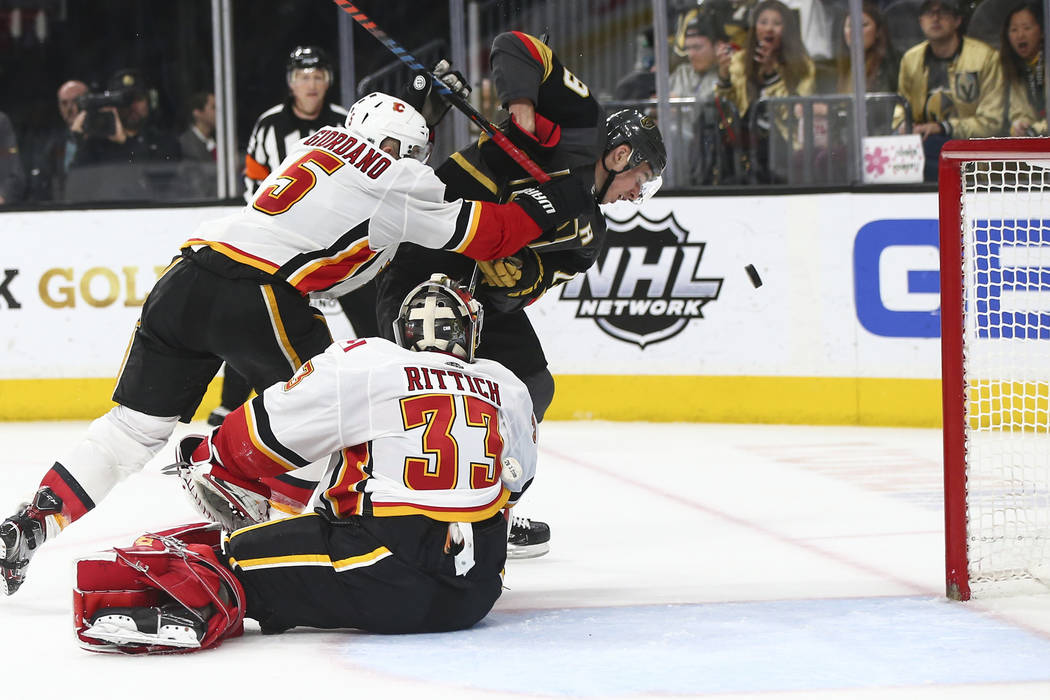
(409, 433)
(333, 213)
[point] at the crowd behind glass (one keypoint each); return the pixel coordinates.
(760, 94)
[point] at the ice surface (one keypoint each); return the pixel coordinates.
(715, 561)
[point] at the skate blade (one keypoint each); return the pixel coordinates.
(528, 551)
(167, 635)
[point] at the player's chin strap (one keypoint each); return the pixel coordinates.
(599, 197)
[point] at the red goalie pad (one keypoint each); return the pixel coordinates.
(176, 571)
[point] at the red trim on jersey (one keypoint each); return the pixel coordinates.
(502, 230)
(234, 253)
(474, 514)
(239, 453)
(530, 45)
(344, 497)
(324, 274)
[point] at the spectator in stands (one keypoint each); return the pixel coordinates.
(122, 133)
(640, 83)
(55, 148)
(952, 82)
(698, 76)
(1022, 59)
(198, 141)
(881, 66)
(881, 62)
(773, 63)
(12, 177)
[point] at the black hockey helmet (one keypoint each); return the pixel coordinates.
(440, 315)
(640, 132)
(308, 57)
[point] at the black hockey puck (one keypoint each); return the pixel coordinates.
(756, 281)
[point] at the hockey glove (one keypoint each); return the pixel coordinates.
(428, 101)
(217, 494)
(555, 202)
(518, 274)
(539, 146)
(452, 78)
(513, 282)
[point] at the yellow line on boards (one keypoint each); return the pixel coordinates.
(657, 398)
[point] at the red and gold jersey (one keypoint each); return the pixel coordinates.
(334, 211)
(406, 433)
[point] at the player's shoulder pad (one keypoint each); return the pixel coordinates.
(508, 381)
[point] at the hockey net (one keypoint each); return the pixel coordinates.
(995, 345)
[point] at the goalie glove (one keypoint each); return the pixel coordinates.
(214, 492)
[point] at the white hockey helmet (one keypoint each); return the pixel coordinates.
(378, 116)
(442, 316)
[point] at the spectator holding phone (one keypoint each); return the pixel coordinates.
(774, 63)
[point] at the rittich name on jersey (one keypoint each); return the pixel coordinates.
(429, 379)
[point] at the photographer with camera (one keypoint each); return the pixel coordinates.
(114, 127)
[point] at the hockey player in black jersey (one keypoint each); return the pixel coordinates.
(239, 292)
(556, 120)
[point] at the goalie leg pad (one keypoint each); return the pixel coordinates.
(167, 593)
(214, 492)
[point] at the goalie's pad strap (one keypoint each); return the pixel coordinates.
(178, 565)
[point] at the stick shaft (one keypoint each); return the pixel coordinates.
(501, 140)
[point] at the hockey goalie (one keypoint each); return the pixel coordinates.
(405, 532)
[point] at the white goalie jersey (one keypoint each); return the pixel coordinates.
(408, 433)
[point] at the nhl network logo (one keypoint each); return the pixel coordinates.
(643, 288)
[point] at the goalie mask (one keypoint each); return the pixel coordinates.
(640, 132)
(378, 116)
(440, 315)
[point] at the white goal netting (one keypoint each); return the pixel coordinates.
(1006, 361)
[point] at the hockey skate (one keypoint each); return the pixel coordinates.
(217, 416)
(23, 533)
(527, 538)
(169, 625)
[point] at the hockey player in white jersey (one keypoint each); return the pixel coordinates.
(324, 222)
(425, 445)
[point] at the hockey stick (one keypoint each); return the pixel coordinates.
(458, 102)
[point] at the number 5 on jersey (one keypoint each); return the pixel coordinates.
(294, 183)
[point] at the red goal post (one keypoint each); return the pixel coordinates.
(994, 202)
